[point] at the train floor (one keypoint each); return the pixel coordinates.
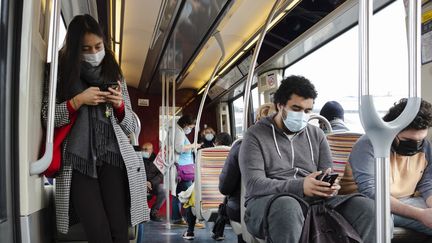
(155, 232)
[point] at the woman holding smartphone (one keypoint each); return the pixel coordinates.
(101, 181)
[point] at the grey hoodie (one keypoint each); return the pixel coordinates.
(271, 162)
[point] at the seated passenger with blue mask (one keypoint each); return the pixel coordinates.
(207, 138)
(411, 169)
(284, 154)
(154, 181)
(334, 113)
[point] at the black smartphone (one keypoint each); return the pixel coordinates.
(105, 86)
(330, 178)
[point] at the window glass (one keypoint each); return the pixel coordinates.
(335, 66)
(3, 213)
(238, 106)
(255, 102)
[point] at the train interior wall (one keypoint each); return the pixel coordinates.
(149, 115)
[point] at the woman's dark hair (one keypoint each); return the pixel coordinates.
(186, 120)
(294, 85)
(223, 138)
(423, 120)
(70, 54)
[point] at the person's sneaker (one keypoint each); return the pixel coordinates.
(188, 235)
(179, 222)
(199, 225)
(155, 217)
(218, 237)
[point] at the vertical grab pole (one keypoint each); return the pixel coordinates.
(170, 151)
(43, 163)
(163, 151)
(251, 72)
(173, 128)
(198, 121)
(414, 34)
(380, 133)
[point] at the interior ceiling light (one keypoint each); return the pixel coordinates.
(116, 27)
(255, 39)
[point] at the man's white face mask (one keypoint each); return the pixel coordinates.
(94, 59)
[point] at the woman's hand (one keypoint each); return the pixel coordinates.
(115, 96)
(90, 96)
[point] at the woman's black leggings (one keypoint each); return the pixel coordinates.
(102, 204)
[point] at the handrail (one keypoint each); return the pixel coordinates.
(251, 72)
(245, 233)
(198, 121)
(324, 120)
(380, 133)
(39, 166)
(136, 133)
(209, 83)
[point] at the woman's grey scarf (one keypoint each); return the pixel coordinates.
(92, 140)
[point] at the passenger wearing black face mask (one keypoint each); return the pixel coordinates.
(411, 170)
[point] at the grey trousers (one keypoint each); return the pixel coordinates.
(285, 218)
(159, 192)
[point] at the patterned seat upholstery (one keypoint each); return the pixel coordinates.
(209, 166)
(340, 146)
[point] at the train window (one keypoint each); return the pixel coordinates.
(3, 212)
(255, 102)
(61, 36)
(238, 106)
(388, 66)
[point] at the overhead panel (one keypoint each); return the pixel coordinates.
(193, 27)
(241, 22)
(77, 7)
(139, 20)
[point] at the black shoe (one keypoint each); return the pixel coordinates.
(188, 235)
(155, 217)
(218, 237)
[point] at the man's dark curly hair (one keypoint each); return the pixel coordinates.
(423, 120)
(298, 85)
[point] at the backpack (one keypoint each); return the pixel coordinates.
(322, 223)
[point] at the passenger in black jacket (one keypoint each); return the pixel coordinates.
(230, 178)
(154, 180)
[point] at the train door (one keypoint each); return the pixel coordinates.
(9, 47)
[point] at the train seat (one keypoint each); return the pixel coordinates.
(210, 162)
(340, 146)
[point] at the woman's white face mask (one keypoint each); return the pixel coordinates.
(94, 59)
(187, 130)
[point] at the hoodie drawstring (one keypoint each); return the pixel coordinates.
(310, 146)
(275, 141)
(292, 149)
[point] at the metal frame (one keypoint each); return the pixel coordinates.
(197, 126)
(379, 132)
(251, 72)
(43, 163)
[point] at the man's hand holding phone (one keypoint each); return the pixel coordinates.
(321, 184)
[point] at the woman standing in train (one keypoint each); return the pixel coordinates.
(184, 160)
(102, 180)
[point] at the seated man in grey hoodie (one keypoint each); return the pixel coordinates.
(284, 154)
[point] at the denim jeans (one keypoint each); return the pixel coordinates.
(400, 221)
